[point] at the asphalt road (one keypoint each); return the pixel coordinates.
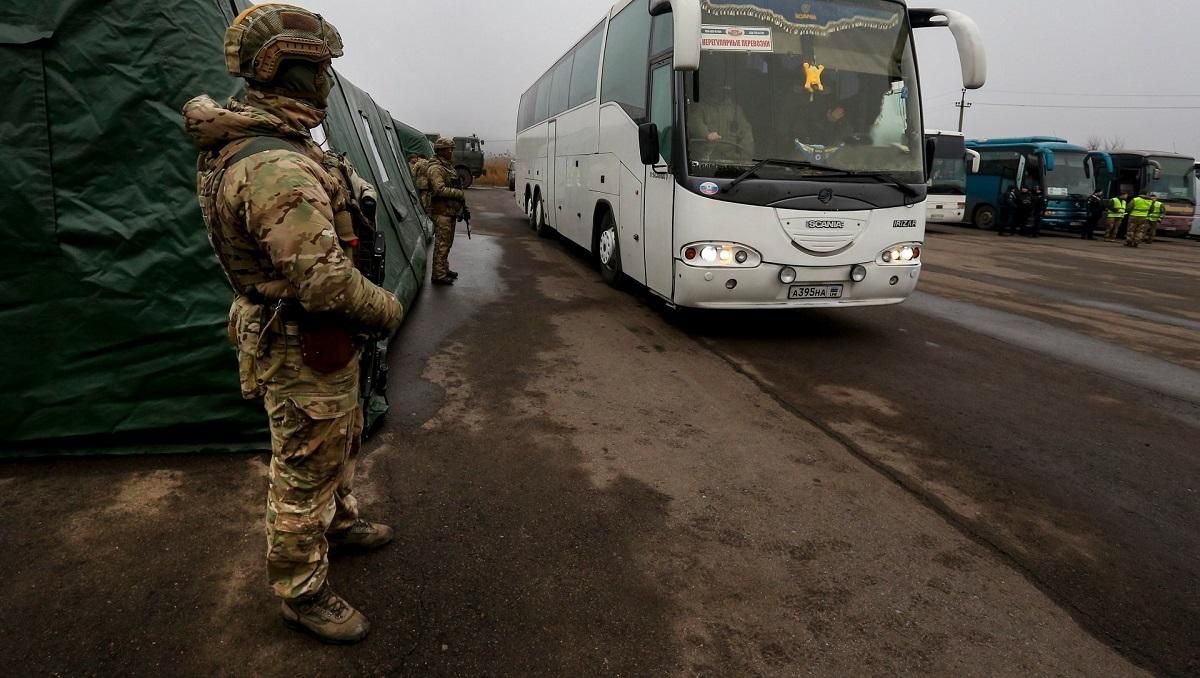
(998, 478)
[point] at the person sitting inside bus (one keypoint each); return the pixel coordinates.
(719, 120)
(844, 113)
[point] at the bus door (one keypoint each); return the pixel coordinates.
(660, 185)
(551, 202)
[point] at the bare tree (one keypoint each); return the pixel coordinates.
(1114, 143)
(1095, 142)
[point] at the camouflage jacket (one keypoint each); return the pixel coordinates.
(445, 197)
(271, 216)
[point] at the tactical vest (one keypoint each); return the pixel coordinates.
(248, 269)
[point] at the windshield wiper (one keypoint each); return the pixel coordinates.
(796, 164)
(804, 164)
(886, 178)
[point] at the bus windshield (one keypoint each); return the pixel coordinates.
(832, 83)
(1070, 177)
(949, 176)
(1178, 181)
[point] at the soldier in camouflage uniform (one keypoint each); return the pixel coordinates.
(447, 201)
(278, 214)
(418, 166)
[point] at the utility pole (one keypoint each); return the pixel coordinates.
(962, 109)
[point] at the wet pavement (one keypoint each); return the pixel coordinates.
(998, 478)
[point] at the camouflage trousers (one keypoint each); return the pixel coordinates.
(1137, 231)
(316, 430)
(1151, 233)
(443, 240)
(1114, 227)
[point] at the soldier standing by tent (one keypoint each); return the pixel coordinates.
(283, 227)
(447, 203)
(418, 166)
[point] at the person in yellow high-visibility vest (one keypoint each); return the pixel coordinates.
(1117, 209)
(1157, 209)
(1139, 214)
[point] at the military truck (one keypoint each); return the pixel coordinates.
(468, 157)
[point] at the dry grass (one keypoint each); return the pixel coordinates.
(495, 172)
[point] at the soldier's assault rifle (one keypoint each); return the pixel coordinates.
(371, 260)
(465, 214)
(466, 217)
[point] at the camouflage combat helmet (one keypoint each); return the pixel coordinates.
(443, 144)
(264, 36)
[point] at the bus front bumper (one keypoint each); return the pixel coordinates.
(760, 287)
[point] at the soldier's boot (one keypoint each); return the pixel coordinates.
(447, 280)
(363, 535)
(453, 275)
(327, 616)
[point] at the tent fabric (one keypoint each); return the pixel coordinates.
(112, 306)
(413, 140)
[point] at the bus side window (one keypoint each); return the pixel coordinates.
(626, 55)
(662, 107)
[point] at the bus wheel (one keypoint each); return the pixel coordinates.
(985, 218)
(464, 177)
(608, 249)
(538, 219)
(532, 213)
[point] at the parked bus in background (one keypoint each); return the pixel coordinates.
(1171, 176)
(947, 201)
(1067, 175)
(1196, 221)
(740, 153)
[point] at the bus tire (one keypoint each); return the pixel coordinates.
(538, 219)
(531, 210)
(608, 251)
(985, 217)
(464, 177)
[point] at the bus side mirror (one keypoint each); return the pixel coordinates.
(931, 145)
(974, 161)
(967, 36)
(1155, 168)
(688, 21)
(648, 143)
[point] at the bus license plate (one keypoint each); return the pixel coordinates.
(816, 292)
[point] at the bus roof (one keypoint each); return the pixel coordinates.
(1152, 154)
(1048, 143)
(943, 133)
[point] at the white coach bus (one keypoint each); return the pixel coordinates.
(952, 160)
(741, 153)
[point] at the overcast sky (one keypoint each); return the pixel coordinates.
(459, 66)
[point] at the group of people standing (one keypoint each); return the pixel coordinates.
(1023, 212)
(1139, 216)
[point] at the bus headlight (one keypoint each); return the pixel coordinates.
(720, 255)
(904, 254)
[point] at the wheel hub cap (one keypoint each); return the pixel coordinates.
(608, 244)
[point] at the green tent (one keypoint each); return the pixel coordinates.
(112, 307)
(413, 141)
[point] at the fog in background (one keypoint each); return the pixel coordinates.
(1073, 68)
